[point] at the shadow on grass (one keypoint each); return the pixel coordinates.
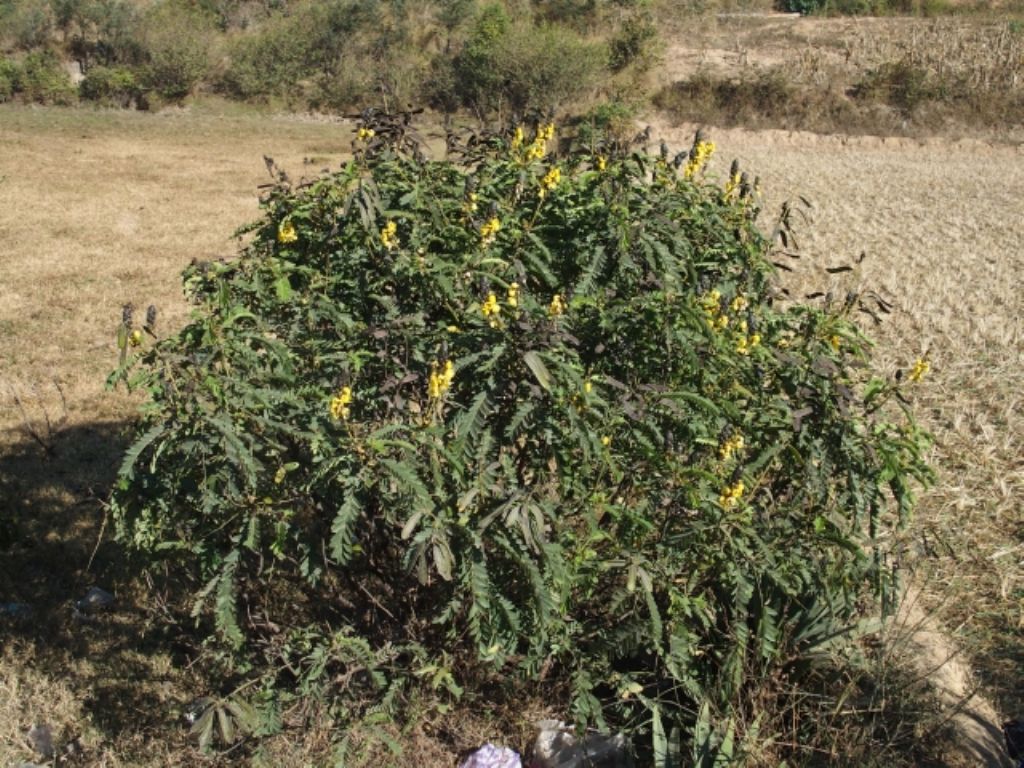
(55, 543)
(52, 514)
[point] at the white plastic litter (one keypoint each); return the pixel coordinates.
(558, 746)
(490, 756)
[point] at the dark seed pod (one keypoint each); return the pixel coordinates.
(126, 314)
(151, 317)
(744, 185)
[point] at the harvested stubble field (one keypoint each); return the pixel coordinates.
(102, 208)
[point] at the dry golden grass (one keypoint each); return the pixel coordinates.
(101, 208)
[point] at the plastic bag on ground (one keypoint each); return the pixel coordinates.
(490, 756)
(558, 746)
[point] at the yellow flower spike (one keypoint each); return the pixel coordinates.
(733, 445)
(921, 367)
(517, 139)
(365, 134)
(551, 179)
(513, 295)
(489, 230)
(699, 156)
(491, 310)
(557, 306)
(441, 378)
(587, 386)
(732, 187)
(601, 162)
(389, 235)
(340, 404)
(731, 494)
(286, 232)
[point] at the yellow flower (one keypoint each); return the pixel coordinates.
(491, 310)
(550, 181)
(921, 367)
(340, 404)
(490, 230)
(699, 156)
(135, 337)
(538, 148)
(711, 302)
(835, 340)
(453, 329)
(286, 232)
(517, 139)
(365, 134)
(606, 440)
(739, 304)
(587, 386)
(747, 343)
(733, 445)
(731, 494)
(389, 235)
(601, 163)
(557, 306)
(470, 205)
(732, 186)
(513, 294)
(441, 378)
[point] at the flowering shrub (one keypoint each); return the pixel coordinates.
(519, 416)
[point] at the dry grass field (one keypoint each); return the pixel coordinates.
(100, 208)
